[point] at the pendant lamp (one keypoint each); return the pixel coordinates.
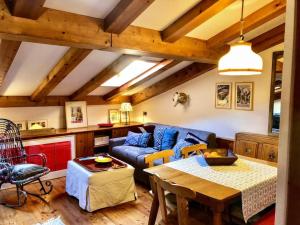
(240, 60)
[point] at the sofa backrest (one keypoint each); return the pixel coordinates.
(206, 136)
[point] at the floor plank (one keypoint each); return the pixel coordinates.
(61, 204)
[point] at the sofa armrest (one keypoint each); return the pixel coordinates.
(165, 155)
(116, 141)
(185, 151)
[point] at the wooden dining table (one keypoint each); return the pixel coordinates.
(211, 194)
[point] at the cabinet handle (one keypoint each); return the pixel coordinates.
(272, 156)
(248, 150)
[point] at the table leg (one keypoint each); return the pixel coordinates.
(217, 214)
(155, 203)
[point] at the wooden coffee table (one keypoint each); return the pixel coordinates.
(96, 190)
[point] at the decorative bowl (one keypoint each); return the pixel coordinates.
(220, 156)
(103, 160)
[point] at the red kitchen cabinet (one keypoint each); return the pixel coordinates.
(57, 154)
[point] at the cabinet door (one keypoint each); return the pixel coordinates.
(269, 152)
(246, 148)
(85, 144)
(35, 149)
(119, 132)
(62, 155)
(48, 150)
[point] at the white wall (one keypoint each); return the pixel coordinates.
(201, 112)
(55, 114)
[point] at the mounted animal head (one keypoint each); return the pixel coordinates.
(180, 97)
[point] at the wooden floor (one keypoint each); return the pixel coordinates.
(60, 204)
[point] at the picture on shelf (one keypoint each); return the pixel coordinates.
(244, 95)
(37, 124)
(223, 95)
(76, 114)
(21, 125)
(114, 116)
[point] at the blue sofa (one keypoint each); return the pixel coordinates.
(135, 156)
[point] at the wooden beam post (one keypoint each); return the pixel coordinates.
(113, 69)
(31, 9)
(254, 20)
(124, 14)
(190, 72)
(138, 81)
(193, 18)
(64, 66)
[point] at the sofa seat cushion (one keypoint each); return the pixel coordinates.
(164, 138)
(132, 154)
(22, 172)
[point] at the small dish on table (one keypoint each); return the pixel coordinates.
(219, 156)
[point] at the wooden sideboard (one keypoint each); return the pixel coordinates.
(84, 137)
(259, 146)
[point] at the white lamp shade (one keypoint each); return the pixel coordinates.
(240, 60)
(126, 107)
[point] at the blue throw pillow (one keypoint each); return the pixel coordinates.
(178, 147)
(192, 138)
(137, 139)
(164, 138)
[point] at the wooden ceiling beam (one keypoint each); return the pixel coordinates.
(68, 29)
(197, 15)
(9, 48)
(25, 101)
(31, 9)
(65, 65)
(136, 82)
(113, 69)
(124, 14)
(254, 20)
(190, 72)
(269, 39)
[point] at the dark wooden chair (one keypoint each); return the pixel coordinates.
(14, 166)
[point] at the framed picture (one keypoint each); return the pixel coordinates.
(244, 95)
(76, 114)
(223, 95)
(21, 125)
(37, 124)
(114, 115)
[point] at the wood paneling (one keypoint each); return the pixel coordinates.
(31, 9)
(136, 82)
(85, 144)
(179, 77)
(113, 69)
(254, 20)
(25, 101)
(124, 14)
(193, 18)
(64, 66)
(68, 29)
(8, 51)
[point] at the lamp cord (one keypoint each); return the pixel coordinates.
(242, 22)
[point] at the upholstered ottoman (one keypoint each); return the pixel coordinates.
(97, 190)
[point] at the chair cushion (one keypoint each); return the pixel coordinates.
(178, 147)
(164, 138)
(25, 171)
(137, 139)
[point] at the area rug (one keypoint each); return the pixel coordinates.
(53, 221)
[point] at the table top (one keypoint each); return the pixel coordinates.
(203, 187)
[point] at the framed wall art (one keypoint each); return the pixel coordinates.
(114, 116)
(76, 114)
(37, 124)
(21, 125)
(244, 95)
(223, 95)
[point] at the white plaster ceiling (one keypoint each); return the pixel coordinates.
(159, 77)
(93, 8)
(30, 66)
(94, 63)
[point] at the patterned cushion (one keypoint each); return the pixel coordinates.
(192, 138)
(135, 139)
(179, 145)
(164, 138)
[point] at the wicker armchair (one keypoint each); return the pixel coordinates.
(14, 166)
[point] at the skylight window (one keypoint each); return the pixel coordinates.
(133, 70)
